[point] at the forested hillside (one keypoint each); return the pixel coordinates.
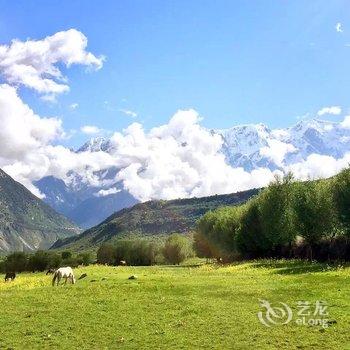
(153, 218)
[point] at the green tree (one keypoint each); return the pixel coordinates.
(39, 261)
(177, 248)
(84, 259)
(275, 206)
(251, 241)
(16, 262)
(66, 255)
(202, 246)
(106, 254)
(341, 195)
(314, 212)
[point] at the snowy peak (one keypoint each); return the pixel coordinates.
(95, 144)
(253, 146)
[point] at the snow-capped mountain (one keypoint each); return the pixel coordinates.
(253, 146)
(248, 146)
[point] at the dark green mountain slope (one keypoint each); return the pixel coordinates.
(26, 222)
(152, 218)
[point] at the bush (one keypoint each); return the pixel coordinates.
(177, 248)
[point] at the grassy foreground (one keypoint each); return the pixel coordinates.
(182, 307)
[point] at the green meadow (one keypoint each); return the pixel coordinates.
(176, 307)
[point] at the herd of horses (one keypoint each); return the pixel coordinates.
(65, 273)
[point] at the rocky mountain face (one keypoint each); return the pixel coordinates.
(26, 222)
(85, 205)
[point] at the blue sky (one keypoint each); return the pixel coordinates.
(233, 61)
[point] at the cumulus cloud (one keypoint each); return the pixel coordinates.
(103, 193)
(346, 122)
(35, 63)
(90, 129)
(338, 27)
(319, 166)
(277, 150)
(335, 110)
(175, 160)
(23, 131)
(27, 150)
(128, 112)
(179, 159)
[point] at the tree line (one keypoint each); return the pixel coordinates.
(290, 219)
(43, 260)
(141, 252)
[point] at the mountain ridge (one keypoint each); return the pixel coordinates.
(26, 222)
(153, 218)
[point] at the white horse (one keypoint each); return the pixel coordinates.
(63, 272)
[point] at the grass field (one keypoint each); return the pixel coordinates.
(181, 307)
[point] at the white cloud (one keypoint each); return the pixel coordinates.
(35, 63)
(73, 106)
(319, 166)
(335, 110)
(338, 27)
(103, 193)
(21, 129)
(277, 150)
(346, 122)
(128, 112)
(90, 129)
(177, 159)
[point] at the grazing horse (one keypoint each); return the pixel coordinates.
(10, 276)
(63, 272)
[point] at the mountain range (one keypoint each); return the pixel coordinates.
(152, 218)
(26, 222)
(248, 146)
